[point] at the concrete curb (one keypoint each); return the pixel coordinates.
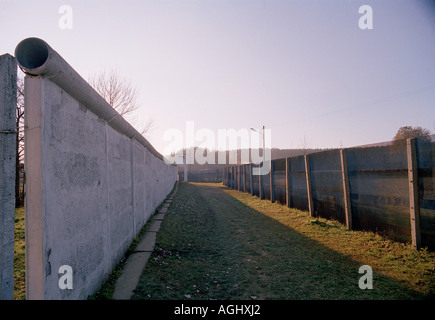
(130, 275)
(136, 262)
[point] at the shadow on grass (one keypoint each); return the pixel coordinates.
(214, 246)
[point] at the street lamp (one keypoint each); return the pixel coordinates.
(260, 182)
(262, 133)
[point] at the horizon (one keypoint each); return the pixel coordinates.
(375, 144)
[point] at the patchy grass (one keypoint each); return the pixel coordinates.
(218, 243)
(19, 256)
(415, 269)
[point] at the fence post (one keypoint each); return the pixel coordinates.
(414, 205)
(239, 178)
(260, 184)
(251, 183)
(309, 191)
(346, 191)
(287, 182)
(235, 177)
(8, 101)
(272, 189)
(230, 176)
(244, 177)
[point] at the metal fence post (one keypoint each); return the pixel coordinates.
(414, 205)
(287, 183)
(244, 177)
(309, 191)
(239, 177)
(260, 185)
(251, 183)
(346, 191)
(272, 189)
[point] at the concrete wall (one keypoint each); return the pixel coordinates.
(379, 191)
(8, 100)
(90, 189)
(207, 175)
(378, 185)
(326, 182)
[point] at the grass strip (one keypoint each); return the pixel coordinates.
(218, 243)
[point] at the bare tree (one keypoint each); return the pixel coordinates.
(121, 95)
(147, 128)
(19, 162)
(305, 144)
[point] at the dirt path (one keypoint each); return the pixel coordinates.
(216, 243)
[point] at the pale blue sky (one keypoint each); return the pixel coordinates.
(301, 68)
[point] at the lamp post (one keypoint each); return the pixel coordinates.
(260, 184)
(262, 134)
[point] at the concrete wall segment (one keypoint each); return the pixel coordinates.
(8, 100)
(91, 187)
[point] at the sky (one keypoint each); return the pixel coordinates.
(304, 69)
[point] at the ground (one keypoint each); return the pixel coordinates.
(218, 243)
